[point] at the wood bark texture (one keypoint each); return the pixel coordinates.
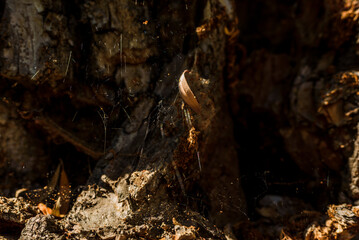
(98, 139)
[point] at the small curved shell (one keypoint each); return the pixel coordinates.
(187, 94)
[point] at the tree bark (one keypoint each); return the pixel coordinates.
(95, 83)
(96, 133)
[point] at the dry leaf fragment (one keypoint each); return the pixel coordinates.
(60, 182)
(186, 92)
(64, 193)
(44, 209)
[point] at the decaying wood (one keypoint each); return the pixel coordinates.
(14, 213)
(140, 113)
(271, 145)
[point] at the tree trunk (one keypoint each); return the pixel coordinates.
(207, 119)
(94, 86)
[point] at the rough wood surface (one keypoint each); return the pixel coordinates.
(99, 78)
(91, 88)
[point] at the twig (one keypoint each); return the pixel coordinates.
(68, 64)
(33, 76)
(53, 128)
(199, 161)
(73, 119)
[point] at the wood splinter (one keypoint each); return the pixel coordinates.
(186, 92)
